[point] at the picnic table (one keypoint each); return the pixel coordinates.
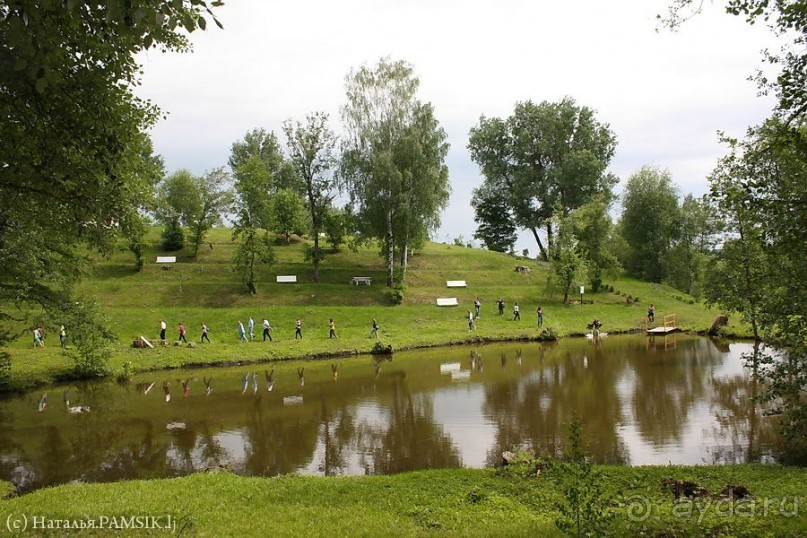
(366, 280)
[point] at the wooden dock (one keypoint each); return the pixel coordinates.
(667, 328)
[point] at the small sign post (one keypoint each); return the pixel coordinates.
(582, 289)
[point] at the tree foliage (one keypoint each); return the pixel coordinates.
(544, 156)
(567, 261)
(760, 188)
(594, 232)
(288, 214)
(311, 148)
(650, 222)
(72, 165)
(263, 146)
(495, 224)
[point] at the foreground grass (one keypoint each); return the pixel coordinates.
(204, 290)
(449, 502)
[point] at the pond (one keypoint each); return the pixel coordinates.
(678, 399)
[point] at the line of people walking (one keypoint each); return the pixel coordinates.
(245, 333)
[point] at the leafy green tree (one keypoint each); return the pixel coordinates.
(214, 199)
(253, 186)
(254, 246)
(593, 230)
(567, 261)
(288, 214)
(337, 225)
(495, 224)
(419, 156)
(650, 221)
(73, 133)
(393, 158)
(544, 156)
(195, 202)
(759, 188)
(91, 337)
(177, 200)
(263, 145)
(311, 149)
(689, 256)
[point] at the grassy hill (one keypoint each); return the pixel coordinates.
(205, 290)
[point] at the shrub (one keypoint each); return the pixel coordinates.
(173, 237)
(548, 334)
(397, 294)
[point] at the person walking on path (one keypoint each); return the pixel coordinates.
(163, 327)
(651, 313)
(500, 302)
(470, 321)
(266, 329)
(182, 334)
(242, 334)
(38, 342)
(298, 329)
(204, 337)
(374, 330)
(540, 313)
(332, 327)
(477, 306)
(251, 327)
(516, 314)
(63, 336)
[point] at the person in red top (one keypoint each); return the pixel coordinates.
(182, 333)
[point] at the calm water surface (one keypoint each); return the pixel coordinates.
(683, 399)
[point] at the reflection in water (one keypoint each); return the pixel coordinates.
(678, 399)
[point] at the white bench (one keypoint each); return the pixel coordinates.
(287, 278)
(456, 284)
(366, 280)
(166, 259)
(447, 301)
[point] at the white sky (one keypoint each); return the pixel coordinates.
(664, 94)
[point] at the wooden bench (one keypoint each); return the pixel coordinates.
(287, 278)
(447, 301)
(366, 280)
(456, 284)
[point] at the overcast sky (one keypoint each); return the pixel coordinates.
(664, 94)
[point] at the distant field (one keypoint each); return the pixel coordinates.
(205, 290)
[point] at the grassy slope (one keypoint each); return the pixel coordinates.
(455, 502)
(205, 290)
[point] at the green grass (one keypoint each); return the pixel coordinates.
(446, 502)
(205, 290)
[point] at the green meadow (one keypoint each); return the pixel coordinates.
(460, 502)
(204, 289)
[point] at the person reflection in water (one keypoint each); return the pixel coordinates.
(167, 391)
(208, 386)
(186, 388)
(270, 379)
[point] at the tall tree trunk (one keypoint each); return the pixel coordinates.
(549, 236)
(390, 250)
(540, 244)
(316, 255)
(404, 259)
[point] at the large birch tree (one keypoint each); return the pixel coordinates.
(393, 157)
